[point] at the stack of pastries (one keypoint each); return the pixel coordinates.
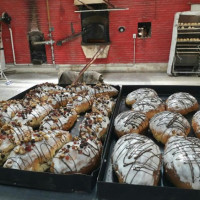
(35, 131)
(148, 120)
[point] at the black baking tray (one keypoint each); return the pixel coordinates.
(107, 184)
(47, 180)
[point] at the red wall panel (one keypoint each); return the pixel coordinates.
(155, 49)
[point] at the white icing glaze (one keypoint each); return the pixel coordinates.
(30, 114)
(103, 105)
(196, 120)
(41, 152)
(94, 123)
(9, 109)
(147, 104)
(137, 159)
(104, 88)
(180, 101)
(129, 121)
(75, 156)
(57, 119)
(140, 94)
(183, 155)
(79, 88)
(169, 123)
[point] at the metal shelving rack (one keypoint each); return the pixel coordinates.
(185, 47)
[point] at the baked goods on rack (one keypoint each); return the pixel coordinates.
(102, 89)
(103, 105)
(12, 134)
(130, 122)
(182, 103)
(196, 123)
(33, 114)
(167, 124)
(81, 103)
(37, 154)
(149, 105)
(49, 87)
(8, 110)
(140, 94)
(79, 88)
(79, 156)
(60, 99)
(136, 160)
(63, 119)
(95, 124)
(182, 162)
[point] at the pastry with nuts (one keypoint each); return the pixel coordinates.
(102, 89)
(36, 155)
(63, 119)
(103, 105)
(13, 134)
(8, 110)
(79, 156)
(33, 114)
(81, 103)
(79, 88)
(95, 124)
(49, 87)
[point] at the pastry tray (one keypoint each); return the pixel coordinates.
(107, 184)
(49, 181)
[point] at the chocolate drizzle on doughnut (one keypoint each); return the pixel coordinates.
(135, 157)
(183, 155)
(147, 104)
(168, 120)
(130, 121)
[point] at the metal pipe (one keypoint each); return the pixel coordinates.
(43, 42)
(134, 41)
(13, 50)
(50, 32)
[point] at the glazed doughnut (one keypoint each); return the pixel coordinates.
(140, 94)
(79, 156)
(95, 124)
(182, 162)
(63, 119)
(182, 103)
(196, 123)
(149, 105)
(103, 105)
(167, 124)
(130, 122)
(35, 155)
(136, 160)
